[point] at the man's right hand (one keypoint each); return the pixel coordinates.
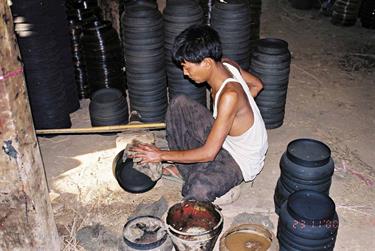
(148, 153)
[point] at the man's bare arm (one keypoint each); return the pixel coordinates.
(227, 109)
(254, 83)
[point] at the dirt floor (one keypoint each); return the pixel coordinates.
(331, 97)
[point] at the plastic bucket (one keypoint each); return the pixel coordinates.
(194, 225)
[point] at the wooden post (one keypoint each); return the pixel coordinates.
(26, 217)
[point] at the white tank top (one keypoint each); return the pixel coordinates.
(248, 149)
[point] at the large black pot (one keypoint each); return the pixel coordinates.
(308, 221)
(306, 164)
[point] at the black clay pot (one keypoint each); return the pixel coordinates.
(308, 215)
(108, 106)
(129, 178)
(306, 164)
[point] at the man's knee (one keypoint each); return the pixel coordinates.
(198, 194)
(200, 191)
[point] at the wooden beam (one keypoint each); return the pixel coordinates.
(102, 129)
(26, 216)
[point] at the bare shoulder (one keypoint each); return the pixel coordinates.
(231, 92)
(233, 86)
(228, 103)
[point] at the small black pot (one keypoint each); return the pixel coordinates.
(129, 178)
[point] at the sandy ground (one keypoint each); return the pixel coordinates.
(330, 98)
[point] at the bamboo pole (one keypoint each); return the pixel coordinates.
(102, 129)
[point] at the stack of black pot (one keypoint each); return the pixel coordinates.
(231, 19)
(345, 12)
(103, 56)
(45, 61)
(108, 106)
(367, 14)
(270, 62)
(79, 14)
(66, 63)
(307, 221)
(143, 42)
(255, 13)
(306, 164)
(179, 15)
(206, 6)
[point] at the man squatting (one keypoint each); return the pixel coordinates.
(213, 153)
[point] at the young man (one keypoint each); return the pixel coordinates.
(213, 153)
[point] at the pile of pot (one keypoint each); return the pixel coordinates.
(345, 12)
(79, 14)
(66, 62)
(206, 6)
(306, 164)
(307, 221)
(108, 106)
(255, 13)
(367, 14)
(177, 16)
(45, 56)
(103, 56)
(231, 19)
(270, 62)
(143, 43)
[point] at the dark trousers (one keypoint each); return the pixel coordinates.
(188, 125)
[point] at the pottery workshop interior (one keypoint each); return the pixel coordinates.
(187, 125)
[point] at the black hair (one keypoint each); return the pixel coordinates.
(196, 43)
